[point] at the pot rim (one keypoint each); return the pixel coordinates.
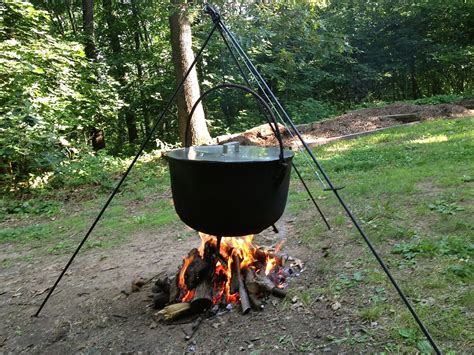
(182, 154)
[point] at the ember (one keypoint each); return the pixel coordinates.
(220, 272)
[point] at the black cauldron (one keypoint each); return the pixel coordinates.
(230, 190)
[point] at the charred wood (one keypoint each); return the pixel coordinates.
(160, 300)
(244, 298)
(235, 272)
(197, 270)
(174, 289)
(202, 299)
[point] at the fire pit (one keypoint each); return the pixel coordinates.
(220, 273)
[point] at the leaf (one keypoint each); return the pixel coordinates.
(424, 346)
(407, 333)
(358, 276)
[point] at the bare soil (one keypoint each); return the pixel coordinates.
(354, 122)
(93, 309)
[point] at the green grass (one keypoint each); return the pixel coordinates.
(55, 219)
(412, 188)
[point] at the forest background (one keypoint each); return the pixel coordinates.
(82, 81)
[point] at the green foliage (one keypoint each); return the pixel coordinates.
(311, 110)
(320, 58)
(51, 96)
(438, 99)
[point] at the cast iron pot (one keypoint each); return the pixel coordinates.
(230, 190)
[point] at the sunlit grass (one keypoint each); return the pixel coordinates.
(412, 189)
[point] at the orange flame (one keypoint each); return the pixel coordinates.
(241, 247)
(188, 294)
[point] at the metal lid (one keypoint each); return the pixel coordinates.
(229, 152)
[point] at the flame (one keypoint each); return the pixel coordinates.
(240, 247)
(188, 294)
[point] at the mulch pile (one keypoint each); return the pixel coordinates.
(358, 121)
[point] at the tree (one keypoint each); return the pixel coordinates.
(49, 98)
(183, 56)
(88, 28)
(119, 71)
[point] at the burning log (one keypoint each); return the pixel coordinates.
(174, 311)
(267, 285)
(244, 298)
(196, 270)
(260, 283)
(235, 272)
(202, 299)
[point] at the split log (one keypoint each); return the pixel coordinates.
(250, 282)
(259, 282)
(174, 311)
(244, 298)
(202, 299)
(197, 269)
(235, 272)
(262, 254)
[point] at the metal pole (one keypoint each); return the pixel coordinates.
(114, 192)
(330, 183)
(311, 196)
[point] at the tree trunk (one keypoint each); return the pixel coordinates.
(71, 18)
(88, 27)
(119, 72)
(183, 56)
(138, 40)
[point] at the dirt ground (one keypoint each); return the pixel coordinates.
(354, 122)
(90, 313)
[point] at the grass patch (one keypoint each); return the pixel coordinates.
(412, 189)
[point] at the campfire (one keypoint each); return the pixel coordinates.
(221, 273)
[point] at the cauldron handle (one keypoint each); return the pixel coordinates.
(260, 100)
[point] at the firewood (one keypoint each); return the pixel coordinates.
(250, 282)
(174, 311)
(160, 300)
(174, 289)
(235, 272)
(265, 284)
(196, 270)
(262, 254)
(244, 298)
(202, 299)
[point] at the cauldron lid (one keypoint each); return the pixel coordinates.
(229, 153)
